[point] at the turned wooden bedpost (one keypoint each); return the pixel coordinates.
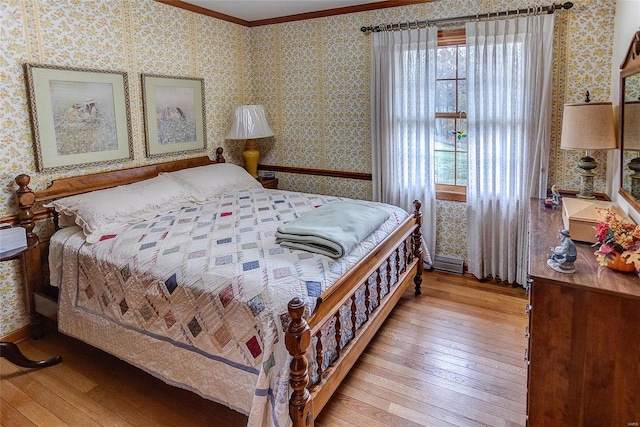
(297, 339)
(32, 258)
(417, 245)
(219, 156)
(26, 199)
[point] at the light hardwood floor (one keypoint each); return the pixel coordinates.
(453, 356)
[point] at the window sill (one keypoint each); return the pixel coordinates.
(451, 193)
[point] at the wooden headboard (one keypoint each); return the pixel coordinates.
(98, 181)
(36, 254)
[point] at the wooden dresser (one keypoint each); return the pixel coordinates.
(584, 336)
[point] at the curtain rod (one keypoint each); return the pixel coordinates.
(417, 24)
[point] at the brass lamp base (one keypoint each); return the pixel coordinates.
(251, 155)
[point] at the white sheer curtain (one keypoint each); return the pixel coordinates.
(402, 121)
(509, 119)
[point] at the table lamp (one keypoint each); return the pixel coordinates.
(588, 126)
(249, 122)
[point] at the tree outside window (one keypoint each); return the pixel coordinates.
(451, 117)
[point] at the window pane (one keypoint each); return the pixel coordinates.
(451, 138)
(445, 138)
(445, 167)
(462, 62)
(462, 96)
(461, 138)
(461, 171)
(446, 63)
(445, 96)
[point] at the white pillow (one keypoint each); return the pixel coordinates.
(104, 211)
(66, 220)
(207, 182)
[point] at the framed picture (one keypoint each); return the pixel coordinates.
(79, 116)
(174, 115)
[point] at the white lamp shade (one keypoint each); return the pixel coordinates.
(631, 126)
(588, 126)
(249, 122)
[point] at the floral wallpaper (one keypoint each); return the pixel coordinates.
(451, 226)
(587, 32)
(312, 76)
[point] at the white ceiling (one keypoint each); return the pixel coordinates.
(255, 10)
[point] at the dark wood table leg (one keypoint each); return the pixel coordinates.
(12, 353)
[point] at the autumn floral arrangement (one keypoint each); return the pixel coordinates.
(617, 238)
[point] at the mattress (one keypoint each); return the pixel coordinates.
(199, 297)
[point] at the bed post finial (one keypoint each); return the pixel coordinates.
(297, 339)
(26, 199)
(219, 156)
(417, 245)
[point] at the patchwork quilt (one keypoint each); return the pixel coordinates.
(211, 279)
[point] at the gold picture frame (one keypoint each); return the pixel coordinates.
(80, 116)
(174, 114)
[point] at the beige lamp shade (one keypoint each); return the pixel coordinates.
(631, 127)
(249, 122)
(588, 126)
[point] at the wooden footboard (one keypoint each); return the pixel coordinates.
(393, 266)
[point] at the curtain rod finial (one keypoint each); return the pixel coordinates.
(568, 5)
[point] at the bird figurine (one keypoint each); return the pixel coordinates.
(555, 195)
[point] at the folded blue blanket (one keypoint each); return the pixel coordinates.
(332, 229)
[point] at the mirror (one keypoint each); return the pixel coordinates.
(630, 125)
(631, 136)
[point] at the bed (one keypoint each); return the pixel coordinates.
(201, 295)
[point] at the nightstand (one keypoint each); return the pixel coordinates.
(9, 350)
(270, 183)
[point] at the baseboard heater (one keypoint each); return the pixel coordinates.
(448, 264)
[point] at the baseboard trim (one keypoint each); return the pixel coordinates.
(17, 336)
(24, 333)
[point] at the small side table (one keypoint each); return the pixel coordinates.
(270, 183)
(12, 353)
(9, 350)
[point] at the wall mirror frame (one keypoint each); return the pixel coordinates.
(629, 129)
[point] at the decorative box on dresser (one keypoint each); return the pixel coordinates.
(584, 336)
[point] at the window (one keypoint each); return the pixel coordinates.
(451, 117)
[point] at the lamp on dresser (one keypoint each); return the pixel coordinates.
(249, 122)
(588, 126)
(631, 138)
